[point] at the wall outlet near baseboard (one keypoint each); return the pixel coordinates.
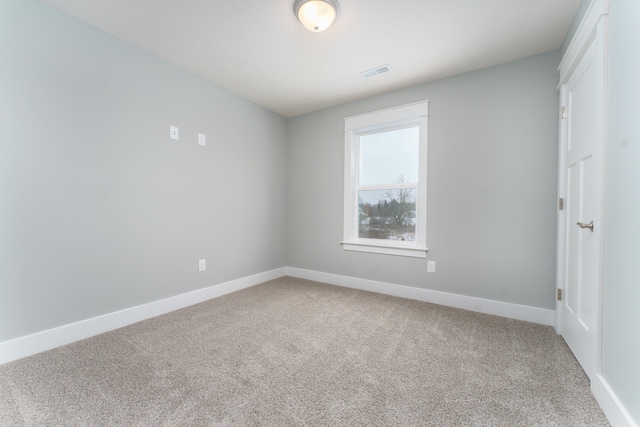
(202, 265)
(431, 266)
(174, 132)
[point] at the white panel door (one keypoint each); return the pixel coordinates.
(583, 147)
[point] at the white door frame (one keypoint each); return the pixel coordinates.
(593, 29)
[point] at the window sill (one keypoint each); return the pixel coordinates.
(385, 249)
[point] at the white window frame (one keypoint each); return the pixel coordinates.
(415, 114)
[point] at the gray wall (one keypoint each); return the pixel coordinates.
(621, 317)
(493, 140)
(99, 209)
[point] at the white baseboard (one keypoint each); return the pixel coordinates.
(56, 337)
(504, 309)
(610, 404)
(52, 338)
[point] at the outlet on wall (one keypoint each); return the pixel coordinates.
(202, 139)
(173, 132)
(202, 265)
(431, 266)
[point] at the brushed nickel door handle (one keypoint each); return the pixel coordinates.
(583, 225)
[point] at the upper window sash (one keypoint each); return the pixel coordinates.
(409, 185)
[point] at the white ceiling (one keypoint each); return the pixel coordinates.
(258, 50)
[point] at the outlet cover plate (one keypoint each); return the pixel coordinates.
(431, 266)
(173, 132)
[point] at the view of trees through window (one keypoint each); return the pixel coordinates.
(387, 184)
(387, 214)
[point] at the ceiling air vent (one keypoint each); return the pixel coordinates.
(376, 71)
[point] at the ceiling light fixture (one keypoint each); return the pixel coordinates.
(316, 15)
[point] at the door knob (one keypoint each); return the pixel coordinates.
(583, 225)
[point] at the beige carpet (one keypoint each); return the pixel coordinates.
(292, 352)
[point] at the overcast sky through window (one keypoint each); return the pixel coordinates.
(385, 156)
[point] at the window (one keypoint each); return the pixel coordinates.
(385, 193)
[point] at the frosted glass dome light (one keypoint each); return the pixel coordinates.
(316, 15)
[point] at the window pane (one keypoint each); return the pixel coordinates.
(387, 214)
(389, 157)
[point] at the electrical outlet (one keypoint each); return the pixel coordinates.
(202, 265)
(202, 139)
(173, 132)
(431, 266)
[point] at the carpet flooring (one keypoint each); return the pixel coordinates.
(292, 352)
